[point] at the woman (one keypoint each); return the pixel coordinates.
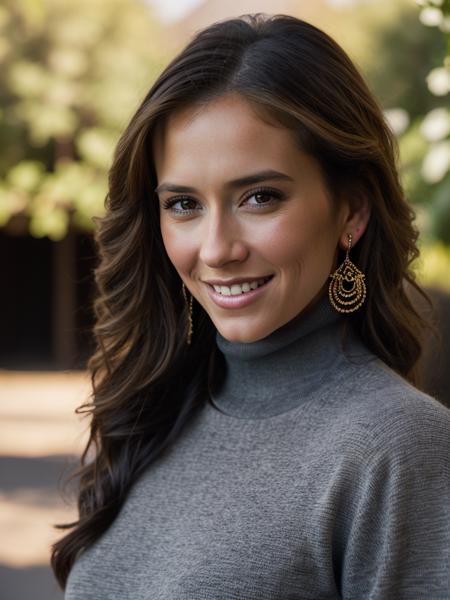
(255, 429)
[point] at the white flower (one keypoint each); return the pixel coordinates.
(431, 16)
(436, 125)
(438, 81)
(437, 162)
(397, 118)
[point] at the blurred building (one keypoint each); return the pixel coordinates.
(45, 304)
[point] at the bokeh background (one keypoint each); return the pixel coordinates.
(72, 72)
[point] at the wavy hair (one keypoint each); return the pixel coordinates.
(146, 381)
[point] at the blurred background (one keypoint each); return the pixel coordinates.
(72, 72)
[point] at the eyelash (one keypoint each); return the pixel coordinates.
(278, 196)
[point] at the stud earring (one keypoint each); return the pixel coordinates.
(189, 308)
(347, 290)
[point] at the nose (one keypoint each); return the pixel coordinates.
(222, 241)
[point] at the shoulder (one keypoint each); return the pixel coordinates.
(380, 412)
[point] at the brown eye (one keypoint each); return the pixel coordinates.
(264, 197)
(183, 202)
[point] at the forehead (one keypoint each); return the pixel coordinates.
(228, 133)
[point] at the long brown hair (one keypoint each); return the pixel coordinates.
(146, 381)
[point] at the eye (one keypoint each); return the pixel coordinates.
(265, 197)
(183, 200)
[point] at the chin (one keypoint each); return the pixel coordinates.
(244, 337)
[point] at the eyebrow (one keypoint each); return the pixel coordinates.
(235, 183)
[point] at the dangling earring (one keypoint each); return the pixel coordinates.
(347, 289)
(189, 307)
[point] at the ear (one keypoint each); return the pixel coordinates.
(356, 219)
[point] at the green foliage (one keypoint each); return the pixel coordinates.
(402, 53)
(403, 49)
(413, 148)
(433, 160)
(440, 213)
(71, 75)
(433, 266)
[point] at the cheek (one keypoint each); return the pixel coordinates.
(295, 238)
(180, 249)
(303, 244)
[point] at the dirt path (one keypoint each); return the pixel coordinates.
(40, 438)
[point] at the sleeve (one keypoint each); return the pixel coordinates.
(398, 544)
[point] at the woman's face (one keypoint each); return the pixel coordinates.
(239, 200)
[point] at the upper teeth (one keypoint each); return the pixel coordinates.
(238, 288)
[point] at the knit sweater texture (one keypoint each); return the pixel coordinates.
(312, 472)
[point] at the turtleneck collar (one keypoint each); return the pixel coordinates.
(279, 372)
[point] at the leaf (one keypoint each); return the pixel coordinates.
(53, 224)
(26, 176)
(96, 146)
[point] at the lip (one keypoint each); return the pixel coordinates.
(240, 300)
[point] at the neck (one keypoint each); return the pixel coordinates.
(277, 373)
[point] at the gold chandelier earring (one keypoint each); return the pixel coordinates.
(347, 290)
(189, 309)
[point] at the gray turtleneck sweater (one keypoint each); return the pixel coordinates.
(310, 473)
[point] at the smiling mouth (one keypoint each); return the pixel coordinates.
(241, 289)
